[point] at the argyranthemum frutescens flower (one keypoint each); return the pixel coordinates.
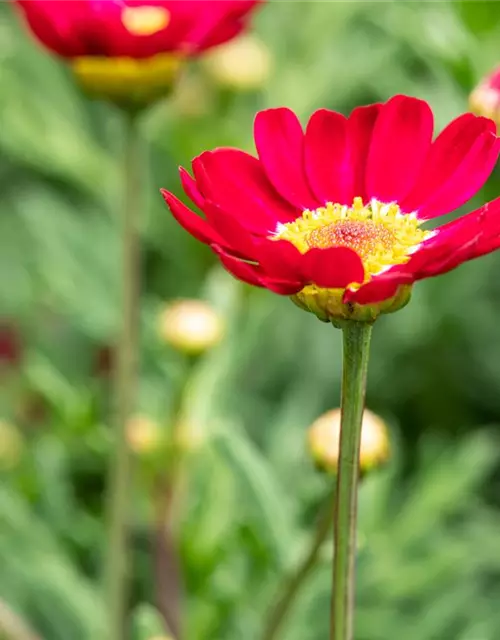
(130, 50)
(334, 217)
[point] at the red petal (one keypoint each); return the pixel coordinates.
(373, 292)
(191, 188)
(328, 166)
(280, 259)
(56, 26)
(241, 270)
(236, 181)
(251, 274)
(467, 179)
(282, 287)
(400, 142)
(458, 163)
(333, 268)
(234, 235)
(361, 124)
(196, 226)
(280, 143)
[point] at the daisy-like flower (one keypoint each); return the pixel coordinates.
(334, 217)
(485, 99)
(132, 49)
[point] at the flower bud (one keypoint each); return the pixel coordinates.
(324, 441)
(143, 434)
(191, 326)
(485, 98)
(244, 64)
(11, 445)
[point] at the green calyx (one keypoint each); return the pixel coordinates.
(327, 305)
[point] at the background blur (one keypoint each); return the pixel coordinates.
(429, 559)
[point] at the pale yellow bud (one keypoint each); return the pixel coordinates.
(143, 434)
(11, 445)
(324, 440)
(191, 326)
(243, 64)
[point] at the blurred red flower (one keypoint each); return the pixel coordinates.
(132, 48)
(333, 217)
(134, 28)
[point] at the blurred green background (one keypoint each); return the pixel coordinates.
(429, 551)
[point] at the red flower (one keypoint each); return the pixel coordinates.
(134, 28)
(333, 217)
(149, 36)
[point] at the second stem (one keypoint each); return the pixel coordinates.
(356, 341)
(126, 367)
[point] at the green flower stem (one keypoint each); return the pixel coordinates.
(297, 579)
(356, 340)
(116, 569)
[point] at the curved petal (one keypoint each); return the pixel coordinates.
(282, 287)
(214, 23)
(465, 140)
(236, 181)
(333, 268)
(193, 224)
(54, 25)
(242, 270)
(234, 234)
(481, 226)
(373, 292)
(327, 157)
(400, 142)
(191, 188)
(360, 126)
(468, 178)
(279, 140)
(280, 259)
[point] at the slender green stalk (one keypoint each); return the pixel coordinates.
(126, 381)
(297, 579)
(356, 337)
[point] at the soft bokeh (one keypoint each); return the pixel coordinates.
(429, 558)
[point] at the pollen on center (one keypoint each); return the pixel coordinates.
(364, 236)
(145, 20)
(380, 233)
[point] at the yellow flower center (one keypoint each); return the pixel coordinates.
(128, 81)
(145, 21)
(380, 234)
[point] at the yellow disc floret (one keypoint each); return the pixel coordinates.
(380, 234)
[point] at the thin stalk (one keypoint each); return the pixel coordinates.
(356, 340)
(297, 579)
(116, 569)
